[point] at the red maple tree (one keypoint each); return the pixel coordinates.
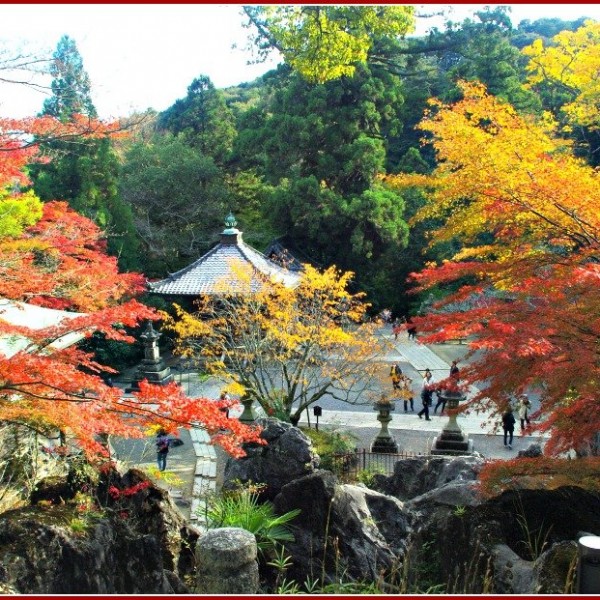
(51, 256)
(524, 287)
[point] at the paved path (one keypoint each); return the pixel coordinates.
(195, 463)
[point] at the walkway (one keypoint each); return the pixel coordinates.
(194, 464)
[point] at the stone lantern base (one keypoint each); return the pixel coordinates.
(452, 440)
(384, 445)
(452, 443)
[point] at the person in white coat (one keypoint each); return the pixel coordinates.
(524, 406)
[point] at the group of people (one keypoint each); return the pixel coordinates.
(509, 420)
(402, 386)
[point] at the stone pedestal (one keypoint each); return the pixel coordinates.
(152, 367)
(226, 561)
(452, 440)
(247, 415)
(384, 443)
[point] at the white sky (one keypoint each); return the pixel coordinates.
(142, 56)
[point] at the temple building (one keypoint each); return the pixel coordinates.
(218, 269)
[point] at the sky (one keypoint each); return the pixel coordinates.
(141, 56)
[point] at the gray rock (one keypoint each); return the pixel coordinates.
(453, 494)
(533, 451)
(361, 531)
(414, 477)
(226, 562)
(512, 574)
(553, 570)
(141, 547)
(287, 456)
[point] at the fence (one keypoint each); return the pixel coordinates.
(349, 464)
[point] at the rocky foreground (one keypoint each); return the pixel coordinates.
(426, 527)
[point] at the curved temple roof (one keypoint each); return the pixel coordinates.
(216, 270)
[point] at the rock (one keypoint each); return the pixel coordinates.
(287, 456)
(553, 571)
(312, 494)
(356, 530)
(371, 529)
(453, 494)
(512, 574)
(413, 477)
(140, 545)
(226, 562)
(533, 451)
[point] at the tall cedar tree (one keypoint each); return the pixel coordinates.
(83, 172)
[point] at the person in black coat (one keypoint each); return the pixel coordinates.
(508, 425)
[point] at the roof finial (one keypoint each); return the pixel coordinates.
(230, 221)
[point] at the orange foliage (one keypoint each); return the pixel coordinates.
(526, 213)
(546, 473)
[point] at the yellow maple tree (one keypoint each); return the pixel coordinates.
(284, 347)
(571, 64)
(525, 285)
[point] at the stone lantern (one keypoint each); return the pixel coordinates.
(452, 440)
(247, 415)
(152, 367)
(384, 442)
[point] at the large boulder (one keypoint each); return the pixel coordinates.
(140, 545)
(413, 477)
(342, 528)
(519, 542)
(287, 456)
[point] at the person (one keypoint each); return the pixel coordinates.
(524, 405)
(399, 325)
(441, 398)
(162, 449)
(441, 401)
(395, 374)
(411, 329)
(508, 425)
(406, 392)
(426, 394)
(454, 370)
(224, 409)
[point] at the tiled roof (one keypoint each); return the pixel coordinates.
(216, 271)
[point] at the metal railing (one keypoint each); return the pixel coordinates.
(349, 464)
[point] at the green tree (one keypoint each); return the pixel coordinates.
(84, 173)
(71, 88)
(326, 42)
(178, 198)
(322, 147)
(203, 118)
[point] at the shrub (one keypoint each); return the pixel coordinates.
(242, 508)
(328, 443)
(539, 473)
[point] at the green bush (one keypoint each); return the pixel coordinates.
(242, 508)
(328, 443)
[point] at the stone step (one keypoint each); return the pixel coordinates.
(206, 469)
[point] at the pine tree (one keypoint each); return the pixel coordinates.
(83, 173)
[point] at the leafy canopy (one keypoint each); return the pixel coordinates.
(570, 65)
(327, 42)
(525, 211)
(284, 347)
(54, 257)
